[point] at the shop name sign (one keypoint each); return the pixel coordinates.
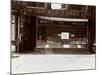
(55, 13)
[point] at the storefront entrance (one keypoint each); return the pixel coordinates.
(28, 34)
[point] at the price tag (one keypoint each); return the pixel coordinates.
(65, 35)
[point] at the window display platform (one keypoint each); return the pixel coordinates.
(62, 50)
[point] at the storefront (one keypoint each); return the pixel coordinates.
(42, 28)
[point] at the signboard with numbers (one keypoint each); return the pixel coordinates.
(54, 13)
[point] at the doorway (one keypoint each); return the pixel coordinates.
(28, 31)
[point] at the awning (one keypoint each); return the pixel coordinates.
(62, 19)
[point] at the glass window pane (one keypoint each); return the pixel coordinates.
(58, 34)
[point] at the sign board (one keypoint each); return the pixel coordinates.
(54, 13)
(65, 35)
(55, 6)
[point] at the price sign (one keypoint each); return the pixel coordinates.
(65, 35)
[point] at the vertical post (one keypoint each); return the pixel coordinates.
(18, 37)
(91, 28)
(36, 33)
(16, 31)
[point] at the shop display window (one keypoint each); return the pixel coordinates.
(67, 36)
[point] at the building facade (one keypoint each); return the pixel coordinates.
(52, 28)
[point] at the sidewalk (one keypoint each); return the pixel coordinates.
(29, 63)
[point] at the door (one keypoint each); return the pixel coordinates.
(29, 34)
